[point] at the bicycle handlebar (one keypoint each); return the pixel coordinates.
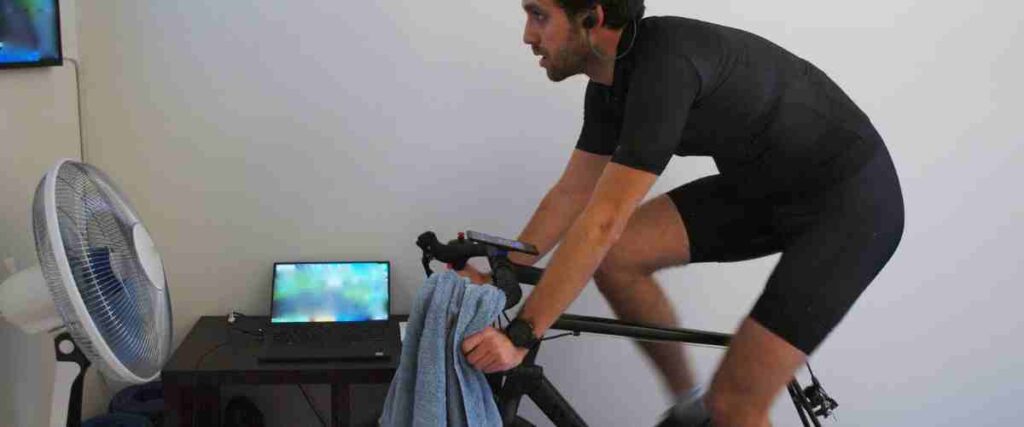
(506, 274)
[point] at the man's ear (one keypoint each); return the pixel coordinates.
(594, 18)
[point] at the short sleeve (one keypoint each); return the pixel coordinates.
(662, 90)
(601, 123)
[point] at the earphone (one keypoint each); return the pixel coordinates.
(590, 20)
(634, 9)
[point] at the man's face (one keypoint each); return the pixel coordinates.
(560, 43)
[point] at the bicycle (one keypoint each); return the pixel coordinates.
(528, 378)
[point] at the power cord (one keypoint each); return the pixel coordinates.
(311, 406)
(233, 318)
(207, 353)
(200, 361)
(233, 327)
(78, 100)
(573, 333)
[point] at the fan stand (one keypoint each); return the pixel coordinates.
(71, 364)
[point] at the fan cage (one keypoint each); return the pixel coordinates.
(130, 315)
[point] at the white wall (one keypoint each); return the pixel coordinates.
(248, 133)
(38, 126)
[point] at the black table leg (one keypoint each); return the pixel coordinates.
(179, 405)
(207, 402)
(340, 405)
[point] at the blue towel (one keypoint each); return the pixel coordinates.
(434, 384)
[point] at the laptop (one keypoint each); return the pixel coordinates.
(331, 311)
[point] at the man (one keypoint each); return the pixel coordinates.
(802, 172)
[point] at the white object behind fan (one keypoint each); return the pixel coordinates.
(100, 277)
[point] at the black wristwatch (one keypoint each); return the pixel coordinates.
(520, 332)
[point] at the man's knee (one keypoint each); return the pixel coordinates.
(618, 268)
(654, 239)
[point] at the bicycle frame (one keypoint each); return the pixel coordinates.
(528, 378)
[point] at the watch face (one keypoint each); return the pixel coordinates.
(521, 333)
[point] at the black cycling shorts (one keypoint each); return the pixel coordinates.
(833, 242)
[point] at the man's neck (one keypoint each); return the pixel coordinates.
(601, 65)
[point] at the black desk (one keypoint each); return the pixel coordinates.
(216, 353)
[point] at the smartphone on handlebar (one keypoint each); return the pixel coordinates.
(510, 245)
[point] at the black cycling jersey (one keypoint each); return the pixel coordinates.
(802, 170)
(686, 87)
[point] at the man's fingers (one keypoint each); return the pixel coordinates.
(477, 355)
(472, 341)
(480, 350)
(499, 365)
(494, 366)
(485, 361)
(483, 348)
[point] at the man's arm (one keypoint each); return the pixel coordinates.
(619, 192)
(662, 89)
(562, 205)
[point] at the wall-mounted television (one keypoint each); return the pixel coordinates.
(29, 33)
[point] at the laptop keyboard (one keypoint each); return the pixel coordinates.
(320, 334)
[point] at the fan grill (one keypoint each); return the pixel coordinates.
(132, 316)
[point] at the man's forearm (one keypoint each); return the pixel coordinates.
(554, 215)
(585, 245)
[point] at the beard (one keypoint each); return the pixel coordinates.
(568, 61)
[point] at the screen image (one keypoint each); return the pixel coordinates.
(330, 292)
(29, 33)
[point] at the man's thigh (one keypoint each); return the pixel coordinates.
(724, 224)
(654, 238)
(855, 230)
(702, 221)
(825, 268)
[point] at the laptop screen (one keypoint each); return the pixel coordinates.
(330, 292)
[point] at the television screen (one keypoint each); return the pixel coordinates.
(29, 33)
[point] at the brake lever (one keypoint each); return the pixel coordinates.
(426, 264)
(427, 242)
(423, 241)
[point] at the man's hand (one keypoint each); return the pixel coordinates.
(474, 275)
(491, 351)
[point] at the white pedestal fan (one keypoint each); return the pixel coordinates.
(99, 285)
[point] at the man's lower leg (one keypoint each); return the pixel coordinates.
(639, 299)
(755, 369)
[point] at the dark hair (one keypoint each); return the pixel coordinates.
(617, 13)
